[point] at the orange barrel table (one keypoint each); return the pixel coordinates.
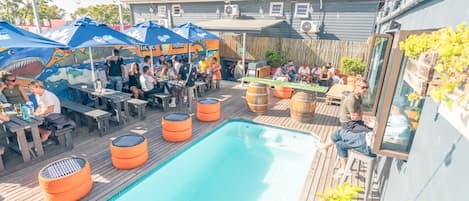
(66, 179)
(282, 92)
(208, 110)
(177, 127)
(129, 151)
(302, 107)
(257, 97)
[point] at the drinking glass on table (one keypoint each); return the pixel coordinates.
(18, 109)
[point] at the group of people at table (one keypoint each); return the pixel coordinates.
(325, 76)
(14, 94)
(169, 77)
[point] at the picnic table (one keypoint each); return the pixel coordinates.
(19, 126)
(305, 87)
(116, 99)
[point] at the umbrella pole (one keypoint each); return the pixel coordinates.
(151, 63)
(93, 77)
(190, 59)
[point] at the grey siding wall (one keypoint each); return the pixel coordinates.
(437, 166)
(340, 19)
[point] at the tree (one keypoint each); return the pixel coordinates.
(9, 8)
(108, 14)
(22, 9)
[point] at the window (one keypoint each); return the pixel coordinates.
(377, 62)
(177, 10)
(276, 9)
(162, 11)
(302, 10)
(399, 117)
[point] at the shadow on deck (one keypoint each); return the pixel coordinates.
(22, 184)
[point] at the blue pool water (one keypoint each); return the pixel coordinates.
(238, 161)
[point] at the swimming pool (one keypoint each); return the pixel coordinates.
(238, 160)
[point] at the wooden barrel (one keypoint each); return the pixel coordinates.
(282, 92)
(302, 107)
(257, 97)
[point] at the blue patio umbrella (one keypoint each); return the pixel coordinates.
(193, 32)
(86, 33)
(13, 37)
(154, 34)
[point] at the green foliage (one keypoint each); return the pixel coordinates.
(274, 58)
(22, 9)
(352, 66)
(345, 192)
(452, 48)
(108, 13)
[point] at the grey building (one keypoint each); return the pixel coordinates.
(316, 19)
(431, 163)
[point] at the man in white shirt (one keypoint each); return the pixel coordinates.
(148, 82)
(47, 102)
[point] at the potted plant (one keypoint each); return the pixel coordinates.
(345, 192)
(351, 67)
(274, 59)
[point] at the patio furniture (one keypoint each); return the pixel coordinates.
(66, 179)
(257, 97)
(101, 117)
(164, 98)
(129, 151)
(177, 127)
(334, 95)
(370, 164)
(18, 126)
(208, 110)
(283, 92)
(302, 107)
(139, 106)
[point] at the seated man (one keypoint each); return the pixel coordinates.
(281, 73)
(345, 140)
(47, 102)
(148, 83)
(172, 84)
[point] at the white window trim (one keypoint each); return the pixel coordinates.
(281, 10)
(307, 10)
(173, 8)
(160, 8)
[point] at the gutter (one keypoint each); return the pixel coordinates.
(399, 11)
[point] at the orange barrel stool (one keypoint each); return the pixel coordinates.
(66, 179)
(208, 110)
(302, 107)
(282, 92)
(257, 97)
(177, 127)
(129, 151)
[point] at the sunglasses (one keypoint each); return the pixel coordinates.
(364, 87)
(12, 80)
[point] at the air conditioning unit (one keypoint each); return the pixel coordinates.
(309, 26)
(232, 10)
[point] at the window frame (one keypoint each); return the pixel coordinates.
(396, 55)
(160, 8)
(306, 15)
(281, 9)
(383, 70)
(173, 9)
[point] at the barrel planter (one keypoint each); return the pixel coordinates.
(208, 110)
(129, 151)
(283, 92)
(302, 107)
(66, 179)
(257, 97)
(177, 127)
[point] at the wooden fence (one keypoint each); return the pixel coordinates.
(299, 50)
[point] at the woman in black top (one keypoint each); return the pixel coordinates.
(134, 80)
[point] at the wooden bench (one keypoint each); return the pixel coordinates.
(101, 117)
(164, 100)
(334, 95)
(64, 136)
(138, 105)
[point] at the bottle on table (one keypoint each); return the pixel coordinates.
(25, 112)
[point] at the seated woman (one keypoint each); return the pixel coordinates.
(134, 83)
(173, 76)
(14, 93)
(398, 128)
(316, 72)
(324, 77)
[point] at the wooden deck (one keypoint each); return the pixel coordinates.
(22, 184)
